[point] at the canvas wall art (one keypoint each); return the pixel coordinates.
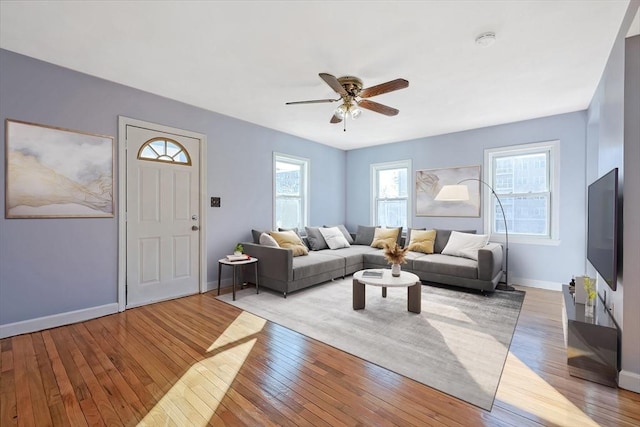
(430, 181)
(57, 173)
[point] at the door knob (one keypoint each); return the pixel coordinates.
(195, 228)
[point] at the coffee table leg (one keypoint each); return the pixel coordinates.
(414, 298)
(358, 295)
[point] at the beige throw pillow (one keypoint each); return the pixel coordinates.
(290, 240)
(384, 237)
(422, 241)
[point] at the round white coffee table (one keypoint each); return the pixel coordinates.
(386, 280)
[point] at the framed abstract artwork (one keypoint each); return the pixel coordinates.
(430, 181)
(57, 173)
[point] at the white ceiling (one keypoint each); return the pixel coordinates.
(246, 59)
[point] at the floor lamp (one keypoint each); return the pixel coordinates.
(460, 193)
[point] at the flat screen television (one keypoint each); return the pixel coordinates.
(602, 229)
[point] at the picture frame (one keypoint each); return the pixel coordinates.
(54, 172)
(430, 181)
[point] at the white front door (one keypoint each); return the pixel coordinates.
(162, 215)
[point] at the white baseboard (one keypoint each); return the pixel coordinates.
(55, 320)
(213, 286)
(629, 381)
(541, 284)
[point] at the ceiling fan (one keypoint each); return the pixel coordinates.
(353, 96)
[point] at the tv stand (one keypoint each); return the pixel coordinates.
(593, 342)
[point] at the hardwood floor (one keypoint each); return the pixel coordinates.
(198, 361)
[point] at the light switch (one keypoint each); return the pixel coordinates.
(215, 202)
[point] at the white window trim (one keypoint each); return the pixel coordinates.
(306, 164)
(375, 167)
(554, 187)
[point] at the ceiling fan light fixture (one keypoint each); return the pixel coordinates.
(341, 111)
(355, 112)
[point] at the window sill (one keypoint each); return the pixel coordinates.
(541, 241)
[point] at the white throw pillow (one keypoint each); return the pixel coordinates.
(267, 240)
(465, 245)
(334, 238)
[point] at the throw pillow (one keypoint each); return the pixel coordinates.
(442, 237)
(267, 240)
(256, 235)
(315, 239)
(384, 237)
(344, 231)
(290, 240)
(334, 238)
(465, 245)
(364, 235)
(409, 231)
(422, 241)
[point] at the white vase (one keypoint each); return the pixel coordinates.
(395, 270)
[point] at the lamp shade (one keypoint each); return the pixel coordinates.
(453, 193)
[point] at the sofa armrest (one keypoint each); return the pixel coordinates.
(275, 263)
(489, 261)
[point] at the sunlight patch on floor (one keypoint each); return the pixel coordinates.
(194, 397)
(524, 389)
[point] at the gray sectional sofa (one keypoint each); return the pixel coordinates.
(279, 270)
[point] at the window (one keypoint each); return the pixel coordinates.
(290, 181)
(164, 150)
(390, 193)
(523, 177)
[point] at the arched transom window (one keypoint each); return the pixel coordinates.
(164, 150)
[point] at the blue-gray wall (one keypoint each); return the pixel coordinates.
(613, 141)
(52, 266)
(529, 264)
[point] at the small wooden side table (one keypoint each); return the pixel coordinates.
(235, 264)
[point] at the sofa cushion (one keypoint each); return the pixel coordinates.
(316, 263)
(334, 238)
(385, 237)
(290, 240)
(344, 232)
(267, 240)
(422, 241)
(353, 255)
(465, 245)
(364, 235)
(315, 239)
(447, 265)
(442, 237)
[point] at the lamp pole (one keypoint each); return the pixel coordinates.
(506, 231)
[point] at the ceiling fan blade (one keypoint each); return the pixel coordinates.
(378, 108)
(313, 101)
(334, 83)
(383, 88)
(335, 119)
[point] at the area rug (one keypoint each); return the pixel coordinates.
(458, 344)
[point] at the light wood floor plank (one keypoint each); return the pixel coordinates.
(198, 361)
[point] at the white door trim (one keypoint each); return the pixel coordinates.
(122, 201)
